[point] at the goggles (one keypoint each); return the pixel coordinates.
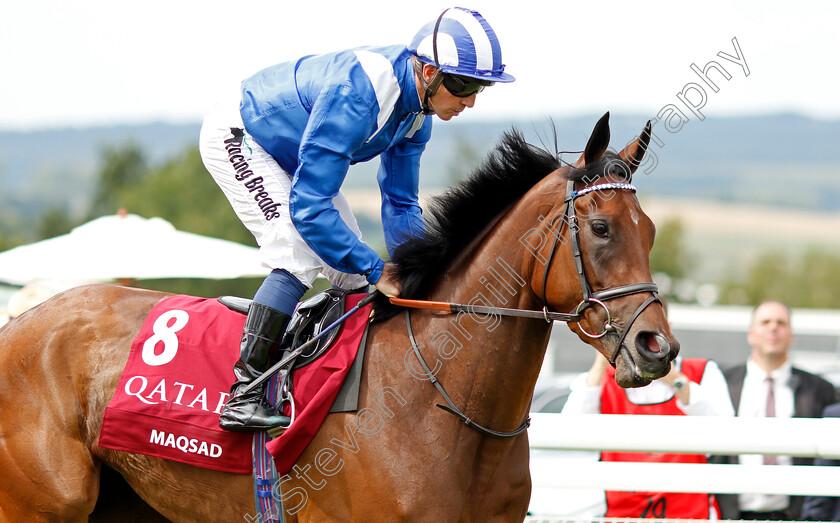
(464, 86)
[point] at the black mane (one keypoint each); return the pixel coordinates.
(457, 216)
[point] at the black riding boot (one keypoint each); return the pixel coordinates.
(251, 411)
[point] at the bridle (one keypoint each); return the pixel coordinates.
(569, 218)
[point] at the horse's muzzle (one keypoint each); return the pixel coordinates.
(654, 348)
(652, 354)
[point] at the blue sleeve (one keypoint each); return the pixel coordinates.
(339, 124)
(399, 183)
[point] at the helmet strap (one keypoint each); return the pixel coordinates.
(429, 88)
(434, 84)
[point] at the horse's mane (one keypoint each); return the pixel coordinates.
(457, 216)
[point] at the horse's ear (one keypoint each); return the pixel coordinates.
(633, 153)
(598, 142)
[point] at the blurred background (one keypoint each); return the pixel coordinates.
(101, 103)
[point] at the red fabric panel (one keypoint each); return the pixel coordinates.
(170, 394)
(315, 388)
(653, 504)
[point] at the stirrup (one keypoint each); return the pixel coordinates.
(286, 398)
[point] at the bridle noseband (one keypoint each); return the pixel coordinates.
(570, 219)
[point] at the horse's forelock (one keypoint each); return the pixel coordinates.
(609, 167)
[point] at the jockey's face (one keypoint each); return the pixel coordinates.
(445, 104)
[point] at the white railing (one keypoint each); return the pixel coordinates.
(690, 435)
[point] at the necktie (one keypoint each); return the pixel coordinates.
(770, 412)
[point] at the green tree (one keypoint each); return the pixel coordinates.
(669, 254)
(809, 280)
(819, 274)
(123, 167)
(767, 277)
(54, 222)
(9, 240)
(183, 193)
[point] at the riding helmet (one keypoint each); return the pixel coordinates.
(461, 42)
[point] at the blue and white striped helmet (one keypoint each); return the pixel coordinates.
(464, 44)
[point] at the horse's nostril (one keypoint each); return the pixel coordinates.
(650, 341)
(652, 346)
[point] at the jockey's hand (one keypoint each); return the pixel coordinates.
(389, 283)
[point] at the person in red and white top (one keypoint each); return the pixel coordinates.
(693, 387)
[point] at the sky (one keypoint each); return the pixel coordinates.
(99, 62)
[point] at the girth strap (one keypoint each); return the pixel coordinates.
(452, 408)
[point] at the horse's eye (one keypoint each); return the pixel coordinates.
(600, 229)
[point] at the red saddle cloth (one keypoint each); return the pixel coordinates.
(178, 377)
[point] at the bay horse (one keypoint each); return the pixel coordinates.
(523, 233)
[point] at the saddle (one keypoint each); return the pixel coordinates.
(308, 320)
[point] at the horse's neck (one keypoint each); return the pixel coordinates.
(497, 267)
(500, 357)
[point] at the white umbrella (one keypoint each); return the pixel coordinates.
(127, 246)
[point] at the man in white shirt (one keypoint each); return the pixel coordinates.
(769, 386)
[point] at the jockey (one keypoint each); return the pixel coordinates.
(280, 150)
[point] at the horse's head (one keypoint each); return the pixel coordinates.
(598, 262)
